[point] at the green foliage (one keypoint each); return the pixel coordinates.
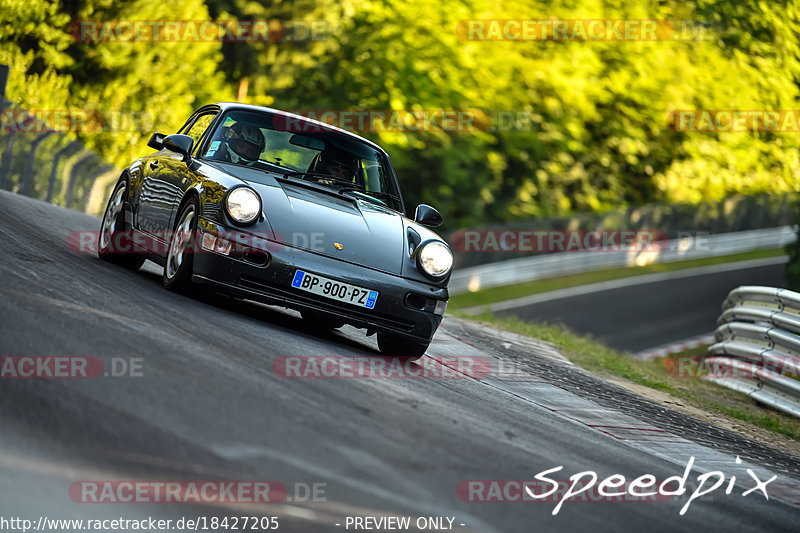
(128, 89)
(145, 86)
(593, 131)
(598, 135)
(32, 45)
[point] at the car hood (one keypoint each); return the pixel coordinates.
(367, 233)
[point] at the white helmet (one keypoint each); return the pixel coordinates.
(244, 143)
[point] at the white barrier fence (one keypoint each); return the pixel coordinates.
(758, 346)
(559, 264)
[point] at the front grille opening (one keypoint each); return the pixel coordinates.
(256, 257)
(416, 301)
(251, 255)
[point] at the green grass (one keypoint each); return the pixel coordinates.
(606, 362)
(499, 294)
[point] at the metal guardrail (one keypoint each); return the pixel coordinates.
(758, 346)
(39, 162)
(558, 264)
(710, 217)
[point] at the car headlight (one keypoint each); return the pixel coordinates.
(435, 259)
(243, 205)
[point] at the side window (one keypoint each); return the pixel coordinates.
(199, 127)
(373, 180)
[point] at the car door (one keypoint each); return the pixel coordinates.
(155, 202)
(176, 174)
(164, 182)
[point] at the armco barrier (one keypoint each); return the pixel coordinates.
(758, 336)
(558, 264)
(53, 166)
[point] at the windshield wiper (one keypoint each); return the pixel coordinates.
(373, 195)
(318, 176)
(315, 185)
(379, 194)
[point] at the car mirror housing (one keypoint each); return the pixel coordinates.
(180, 144)
(427, 216)
(156, 141)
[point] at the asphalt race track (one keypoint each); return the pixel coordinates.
(638, 317)
(209, 406)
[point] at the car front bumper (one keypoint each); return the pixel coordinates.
(267, 276)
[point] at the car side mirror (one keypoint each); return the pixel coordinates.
(180, 144)
(427, 216)
(156, 141)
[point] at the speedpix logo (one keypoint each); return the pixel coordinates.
(587, 486)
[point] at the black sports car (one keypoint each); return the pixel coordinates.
(275, 207)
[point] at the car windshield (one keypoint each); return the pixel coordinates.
(300, 149)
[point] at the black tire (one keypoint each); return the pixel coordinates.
(398, 346)
(321, 321)
(115, 241)
(179, 264)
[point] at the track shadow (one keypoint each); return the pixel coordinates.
(274, 315)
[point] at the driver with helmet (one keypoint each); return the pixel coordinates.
(242, 144)
(337, 163)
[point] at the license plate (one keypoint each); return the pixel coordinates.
(335, 290)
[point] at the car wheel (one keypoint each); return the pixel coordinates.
(115, 243)
(178, 268)
(395, 345)
(321, 321)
